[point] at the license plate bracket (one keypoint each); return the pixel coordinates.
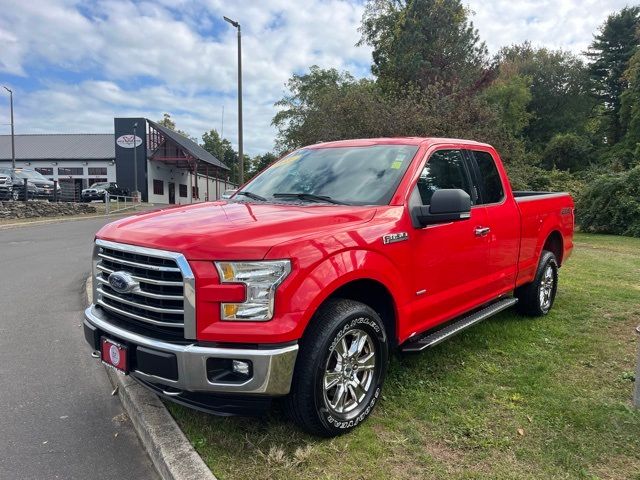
(114, 354)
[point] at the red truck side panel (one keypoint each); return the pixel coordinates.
(540, 216)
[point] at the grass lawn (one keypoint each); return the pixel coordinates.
(511, 398)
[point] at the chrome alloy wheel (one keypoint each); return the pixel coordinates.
(349, 371)
(546, 288)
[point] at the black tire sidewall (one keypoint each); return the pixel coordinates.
(367, 320)
(548, 259)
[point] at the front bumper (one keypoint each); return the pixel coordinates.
(272, 368)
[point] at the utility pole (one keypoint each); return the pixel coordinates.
(13, 140)
(240, 151)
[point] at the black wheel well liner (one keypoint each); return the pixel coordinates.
(554, 244)
(375, 295)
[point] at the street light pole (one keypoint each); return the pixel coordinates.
(240, 150)
(136, 194)
(13, 141)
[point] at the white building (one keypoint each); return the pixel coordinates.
(172, 169)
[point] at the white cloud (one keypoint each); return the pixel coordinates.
(75, 65)
(557, 24)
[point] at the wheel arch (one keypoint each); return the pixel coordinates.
(359, 275)
(375, 295)
(554, 244)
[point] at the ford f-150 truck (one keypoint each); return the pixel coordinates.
(304, 282)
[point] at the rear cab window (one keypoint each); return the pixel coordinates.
(489, 182)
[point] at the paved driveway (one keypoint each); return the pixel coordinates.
(58, 418)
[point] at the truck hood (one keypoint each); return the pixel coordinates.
(230, 230)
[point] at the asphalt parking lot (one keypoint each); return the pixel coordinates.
(59, 419)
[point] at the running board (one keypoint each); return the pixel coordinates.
(432, 339)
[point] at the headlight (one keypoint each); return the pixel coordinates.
(261, 280)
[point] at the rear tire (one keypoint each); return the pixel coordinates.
(340, 370)
(536, 298)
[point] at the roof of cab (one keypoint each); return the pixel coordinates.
(419, 141)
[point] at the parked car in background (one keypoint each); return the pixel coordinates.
(44, 188)
(6, 184)
(229, 193)
(13, 185)
(97, 191)
(306, 280)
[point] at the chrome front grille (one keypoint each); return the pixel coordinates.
(162, 299)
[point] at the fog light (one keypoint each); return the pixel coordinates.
(227, 370)
(241, 367)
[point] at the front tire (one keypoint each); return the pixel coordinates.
(340, 370)
(536, 298)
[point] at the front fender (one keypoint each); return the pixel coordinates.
(342, 268)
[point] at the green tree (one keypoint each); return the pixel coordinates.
(566, 151)
(221, 149)
(511, 95)
(326, 105)
(423, 42)
(610, 52)
(630, 104)
(559, 86)
(259, 163)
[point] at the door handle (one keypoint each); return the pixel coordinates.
(481, 231)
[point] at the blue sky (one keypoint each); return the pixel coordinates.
(74, 65)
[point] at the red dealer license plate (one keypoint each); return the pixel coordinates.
(114, 354)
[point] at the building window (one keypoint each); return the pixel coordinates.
(194, 192)
(183, 190)
(70, 171)
(98, 171)
(45, 170)
(158, 187)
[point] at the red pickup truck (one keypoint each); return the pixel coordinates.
(305, 281)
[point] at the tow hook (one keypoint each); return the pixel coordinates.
(95, 354)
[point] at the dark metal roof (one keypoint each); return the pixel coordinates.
(189, 145)
(63, 146)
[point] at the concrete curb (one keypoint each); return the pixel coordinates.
(169, 450)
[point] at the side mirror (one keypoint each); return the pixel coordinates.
(447, 205)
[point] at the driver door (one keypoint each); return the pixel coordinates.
(450, 259)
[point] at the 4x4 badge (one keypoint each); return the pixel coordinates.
(395, 237)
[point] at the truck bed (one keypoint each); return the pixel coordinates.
(540, 212)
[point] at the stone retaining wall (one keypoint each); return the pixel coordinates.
(43, 209)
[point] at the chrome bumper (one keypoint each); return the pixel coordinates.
(272, 368)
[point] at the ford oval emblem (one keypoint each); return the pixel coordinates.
(122, 282)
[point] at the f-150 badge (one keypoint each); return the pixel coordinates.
(395, 237)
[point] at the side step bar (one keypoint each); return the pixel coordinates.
(434, 338)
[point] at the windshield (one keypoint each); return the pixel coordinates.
(99, 185)
(351, 175)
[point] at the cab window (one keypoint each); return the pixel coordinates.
(445, 169)
(490, 182)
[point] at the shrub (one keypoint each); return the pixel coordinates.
(611, 204)
(566, 151)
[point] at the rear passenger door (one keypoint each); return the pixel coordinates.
(502, 217)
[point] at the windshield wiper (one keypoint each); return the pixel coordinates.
(309, 196)
(252, 196)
